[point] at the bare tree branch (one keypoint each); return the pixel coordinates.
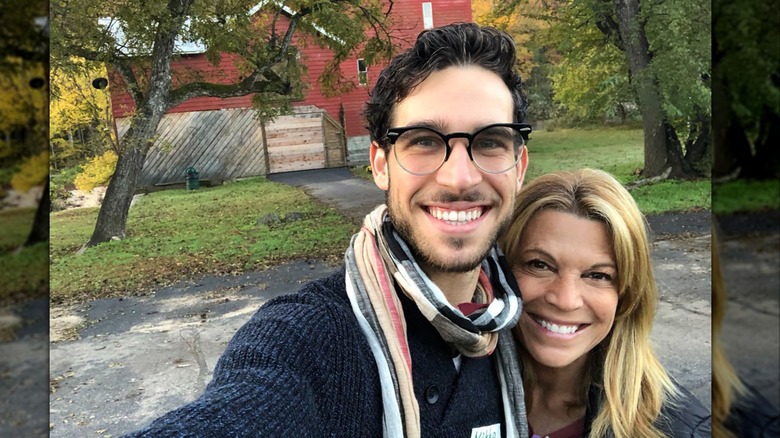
(255, 83)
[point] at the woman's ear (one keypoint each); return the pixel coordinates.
(379, 166)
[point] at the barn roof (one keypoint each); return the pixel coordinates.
(182, 47)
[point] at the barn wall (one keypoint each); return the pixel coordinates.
(231, 143)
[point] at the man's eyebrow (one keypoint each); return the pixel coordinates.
(441, 126)
(429, 123)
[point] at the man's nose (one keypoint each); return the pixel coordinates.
(459, 172)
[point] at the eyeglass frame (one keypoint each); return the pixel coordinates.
(393, 134)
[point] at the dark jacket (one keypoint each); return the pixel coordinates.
(301, 367)
(753, 416)
(686, 417)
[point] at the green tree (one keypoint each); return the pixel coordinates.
(655, 53)
(263, 50)
(590, 78)
(746, 89)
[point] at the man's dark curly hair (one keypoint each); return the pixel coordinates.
(459, 44)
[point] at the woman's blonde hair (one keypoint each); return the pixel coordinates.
(725, 383)
(634, 382)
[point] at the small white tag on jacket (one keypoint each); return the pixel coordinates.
(492, 431)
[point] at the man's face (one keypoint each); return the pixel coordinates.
(451, 217)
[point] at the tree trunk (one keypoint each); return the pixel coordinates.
(40, 228)
(698, 149)
(112, 218)
(729, 139)
(662, 149)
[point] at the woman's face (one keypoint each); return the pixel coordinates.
(568, 278)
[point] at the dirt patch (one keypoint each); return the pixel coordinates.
(9, 323)
(81, 199)
(64, 324)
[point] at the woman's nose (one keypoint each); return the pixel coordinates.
(565, 293)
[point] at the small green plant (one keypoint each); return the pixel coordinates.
(59, 185)
(97, 172)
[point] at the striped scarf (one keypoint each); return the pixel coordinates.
(377, 255)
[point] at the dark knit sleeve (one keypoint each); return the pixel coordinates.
(295, 369)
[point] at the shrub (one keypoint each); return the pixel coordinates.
(97, 172)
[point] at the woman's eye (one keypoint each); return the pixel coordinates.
(602, 276)
(537, 264)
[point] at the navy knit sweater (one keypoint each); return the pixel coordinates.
(301, 367)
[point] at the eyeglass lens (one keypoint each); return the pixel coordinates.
(494, 149)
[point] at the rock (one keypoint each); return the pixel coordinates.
(294, 216)
(268, 219)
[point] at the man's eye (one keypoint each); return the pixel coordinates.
(486, 145)
(427, 142)
(420, 140)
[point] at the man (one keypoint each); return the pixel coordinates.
(405, 340)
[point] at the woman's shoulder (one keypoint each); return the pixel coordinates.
(753, 416)
(684, 415)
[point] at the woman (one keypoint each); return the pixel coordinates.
(579, 250)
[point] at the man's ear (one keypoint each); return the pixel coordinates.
(522, 166)
(379, 166)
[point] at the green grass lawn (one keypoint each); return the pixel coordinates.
(620, 152)
(745, 195)
(174, 234)
(616, 150)
(24, 274)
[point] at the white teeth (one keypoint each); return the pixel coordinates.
(456, 217)
(555, 328)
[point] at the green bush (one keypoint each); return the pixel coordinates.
(62, 181)
(6, 173)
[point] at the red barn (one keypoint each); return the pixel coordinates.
(324, 132)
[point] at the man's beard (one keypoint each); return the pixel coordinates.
(405, 230)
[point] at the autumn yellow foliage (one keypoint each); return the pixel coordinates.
(32, 172)
(76, 103)
(526, 20)
(19, 101)
(97, 172)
